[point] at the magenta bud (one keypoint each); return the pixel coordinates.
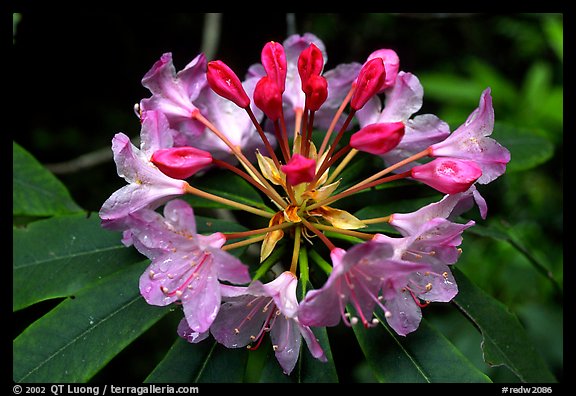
(372, 76)
(226, 83)
(316, 90)
(299, 169)
(274, 62)
(310, 63)
(378, 138)
(448, 175)
(181, 162)
(391, 65)
(268, 98)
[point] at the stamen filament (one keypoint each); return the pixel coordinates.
(342, 165)
(356, 189)
(203, 194)
(242, 234)
(237, 152)
(358, 234)
(267, 144)
(309, 128)
(377, 220)
(319, 234)
(327, 163)
(339, 136)
(392, 168)
(250, 179)
(335, 119)
(187, 281)
(284, 134)
(281, 143)
(243, 243)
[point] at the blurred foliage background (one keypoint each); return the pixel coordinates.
(78, 76)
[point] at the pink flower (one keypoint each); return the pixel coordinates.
(299, 169)
(448, 208)
(447, 175)
(470, 141)
(435, 243)
(148, 186)
(174, 93)
(232, 121)
(402, 100)
(185, 266)
(249, 312)
(363, 276)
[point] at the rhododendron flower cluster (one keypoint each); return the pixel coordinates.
(291, 128)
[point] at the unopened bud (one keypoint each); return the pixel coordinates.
(316, 90)
(299, 169)
(181, 162)
(310, 63)
(391, 65)
(372, 76)
(268, 98)
(378, 138)
(274, 62)
(226, 83)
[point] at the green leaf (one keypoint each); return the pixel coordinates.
(527, 149)
(508, 235)
(76, 339)
(505, 341)
(57, 257)
(422, 356)
(207, 225)
(206, 361)
(308, 369)
(36, 191)
(554, 30)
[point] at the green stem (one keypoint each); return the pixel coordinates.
(296, 250)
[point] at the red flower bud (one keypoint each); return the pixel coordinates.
(448, 175)
(391, 65)
(274, 62)
(226, 83)
(181, 162)
(378, 138)
(316, 90)
(268, 98)
(310, 63)
(299, 169)
(372, 76)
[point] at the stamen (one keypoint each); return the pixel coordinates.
(417, 300)
(186, 284)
